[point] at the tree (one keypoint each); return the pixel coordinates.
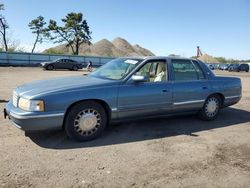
(221, 59)
(37, 27)
(53, 51)
(74, 32)
(3, 28)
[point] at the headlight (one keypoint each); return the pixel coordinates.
(31, 105)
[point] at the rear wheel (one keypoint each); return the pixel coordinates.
(85, 121)
(50, 67)
(211, 108)
(75, 68)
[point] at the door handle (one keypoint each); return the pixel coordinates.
(164, 91)
(204, 87)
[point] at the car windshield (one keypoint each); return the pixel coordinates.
(116, 69)
(57, 60)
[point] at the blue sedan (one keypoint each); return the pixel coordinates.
(123, 89)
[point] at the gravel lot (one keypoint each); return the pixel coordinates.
(167, 152)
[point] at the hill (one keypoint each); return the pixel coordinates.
(208, 59)
(119, 47)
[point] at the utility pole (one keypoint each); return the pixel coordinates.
(199, 53)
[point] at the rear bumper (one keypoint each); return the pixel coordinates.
(231, 100)
(33, 121)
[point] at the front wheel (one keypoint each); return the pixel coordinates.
(211, 108)
(50, 67)
(85, 121)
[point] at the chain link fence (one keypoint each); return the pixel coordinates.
(34, 59)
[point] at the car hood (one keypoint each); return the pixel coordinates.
(43, 87)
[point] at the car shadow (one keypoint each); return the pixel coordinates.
(64, 70)
(143, 130)
(3, 101)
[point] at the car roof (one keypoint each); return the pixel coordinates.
(158, 57)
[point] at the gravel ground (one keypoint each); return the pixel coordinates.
(167, 152)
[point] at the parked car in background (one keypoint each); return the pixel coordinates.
(122, 89)
(233, 67)
(223, 66)
(62, 64)
(216, 65)
(210, 66)
(243, 67)
(239, 67)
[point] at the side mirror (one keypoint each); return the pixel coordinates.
(139, 78)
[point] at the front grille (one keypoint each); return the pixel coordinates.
(15, 99)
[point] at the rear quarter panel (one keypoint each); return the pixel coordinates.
(229, 87)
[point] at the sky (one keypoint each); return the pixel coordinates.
(219, 27)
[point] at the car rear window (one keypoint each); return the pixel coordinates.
(185, 70)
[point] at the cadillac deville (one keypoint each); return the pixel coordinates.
(123, 89)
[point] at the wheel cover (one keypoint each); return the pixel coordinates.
(87, 122)
(212, 107)
(50, 67)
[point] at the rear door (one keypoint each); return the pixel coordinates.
(190, 85)
(66, 64)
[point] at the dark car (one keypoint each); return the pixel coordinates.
(239, 67)
(62, 64)
(243, 67)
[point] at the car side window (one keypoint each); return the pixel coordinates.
(198, 70)
(154, 71)
(185, 70)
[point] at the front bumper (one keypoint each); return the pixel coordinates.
(33, 121)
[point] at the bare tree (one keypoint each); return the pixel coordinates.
(3, 28)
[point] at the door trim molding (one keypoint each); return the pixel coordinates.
(188, 102)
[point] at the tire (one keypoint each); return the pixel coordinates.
(75, 68)
(211, 108)
(50, 67)
(85, 121)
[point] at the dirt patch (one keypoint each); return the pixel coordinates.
(238, 156)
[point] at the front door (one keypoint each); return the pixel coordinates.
(148, 98)
(60, 63)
